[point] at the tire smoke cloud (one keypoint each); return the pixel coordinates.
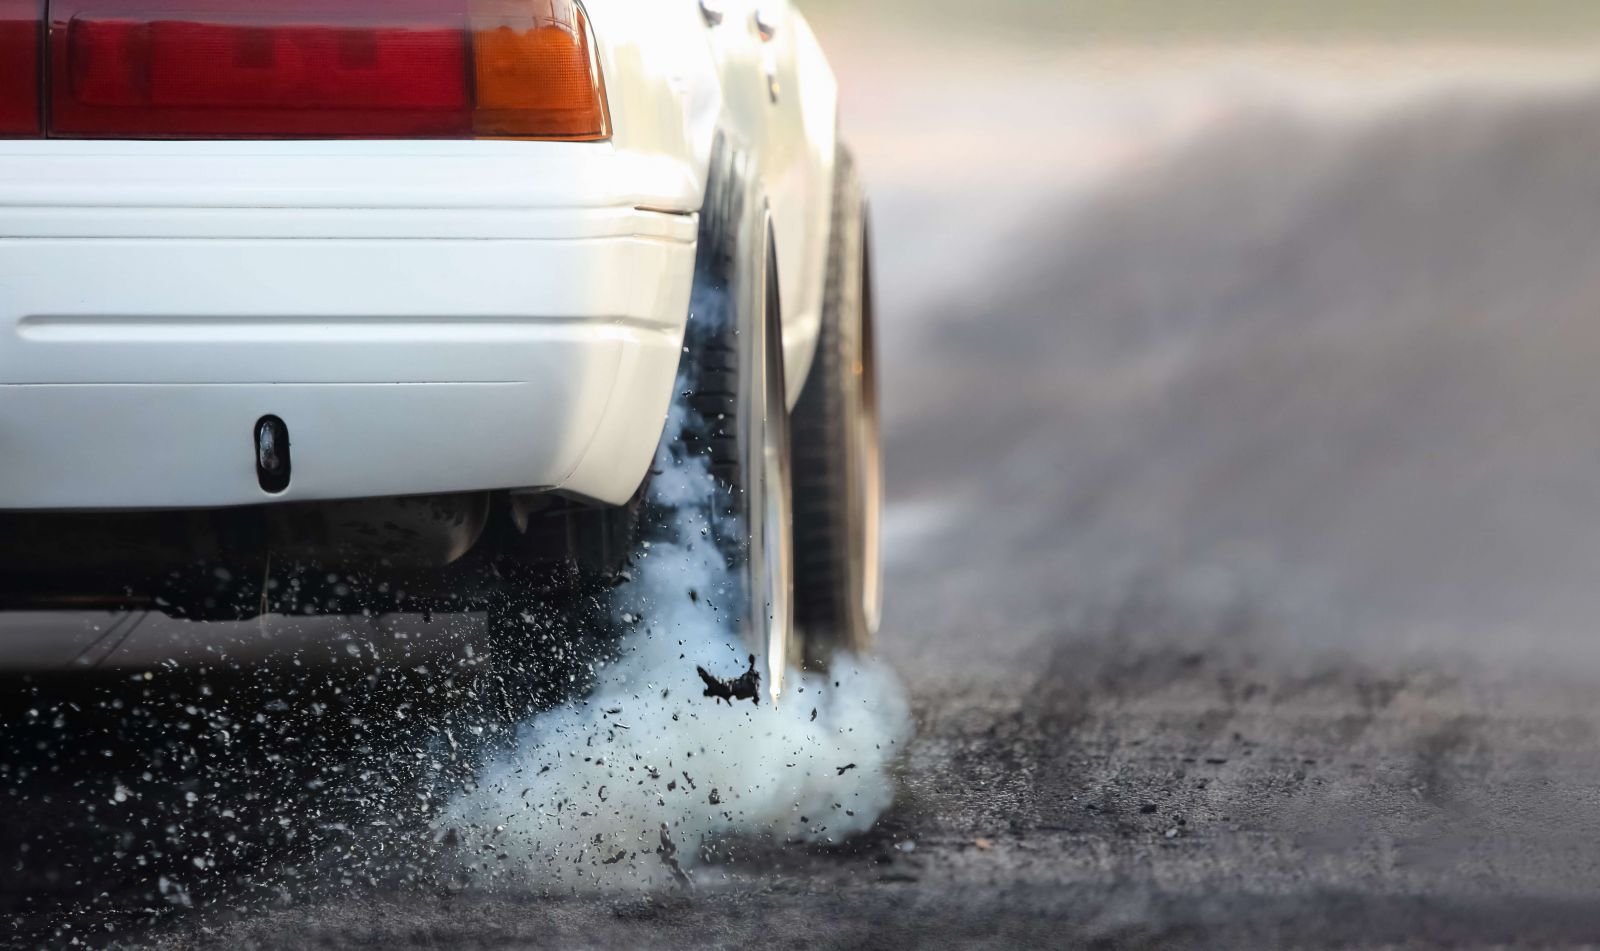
(639, 779)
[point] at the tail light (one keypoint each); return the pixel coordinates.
(21, 39)
(322, 69)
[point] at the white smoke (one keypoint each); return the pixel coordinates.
(630, 782)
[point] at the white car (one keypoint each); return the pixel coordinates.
(375, 309)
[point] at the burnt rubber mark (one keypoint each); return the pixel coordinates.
(746, 686)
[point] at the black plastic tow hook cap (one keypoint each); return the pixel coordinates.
(272, 454)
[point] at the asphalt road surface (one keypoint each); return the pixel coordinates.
(1243, 571)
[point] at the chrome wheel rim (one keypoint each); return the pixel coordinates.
(768, 505)
(869, 456)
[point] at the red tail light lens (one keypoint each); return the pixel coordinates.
(323, 68)
(21, 26)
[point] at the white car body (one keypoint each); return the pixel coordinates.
(426, 316)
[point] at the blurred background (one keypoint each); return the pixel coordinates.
(1285, 303)
(1243, 433)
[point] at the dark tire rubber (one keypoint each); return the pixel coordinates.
(837, 461)
(731, 382)
(709, 378)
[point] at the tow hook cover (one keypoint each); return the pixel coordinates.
(272, 454)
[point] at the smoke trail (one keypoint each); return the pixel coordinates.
(627, 783)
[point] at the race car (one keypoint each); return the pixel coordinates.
(375, 310)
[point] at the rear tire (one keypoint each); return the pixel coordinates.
(733, 384)
(838, 481)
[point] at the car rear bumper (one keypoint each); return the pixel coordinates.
(425, 318)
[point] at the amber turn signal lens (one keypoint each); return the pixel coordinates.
(537, 78)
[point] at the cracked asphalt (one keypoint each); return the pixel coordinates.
(1242, 557)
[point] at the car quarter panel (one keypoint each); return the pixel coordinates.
(780, 106)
